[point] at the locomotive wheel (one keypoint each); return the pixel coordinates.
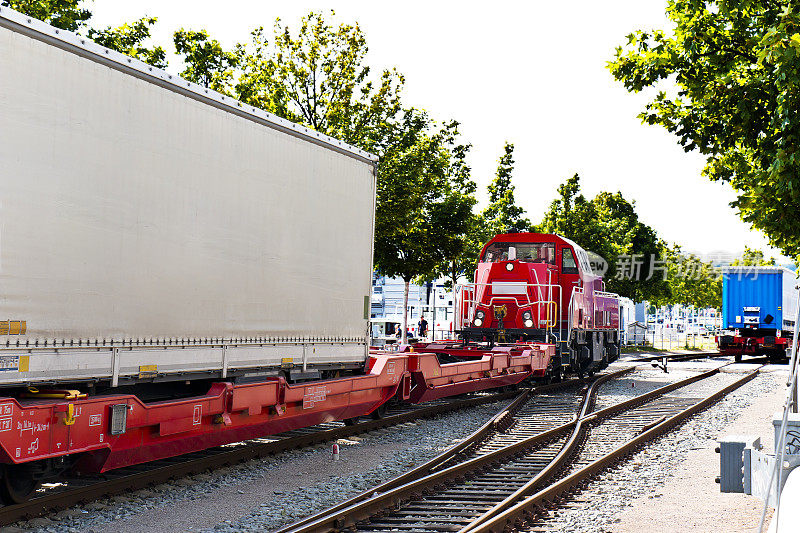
(17, 484)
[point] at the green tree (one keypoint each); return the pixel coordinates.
(318, 76)
(67, 15)
(503, 213)
(416, 200)
(71, 15)
(206, 62)
(732, 76)
(691, 281)
(454, 222)
(609, 226)
(128, 39)
(753, 257)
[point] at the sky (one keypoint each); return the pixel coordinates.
(531, 73)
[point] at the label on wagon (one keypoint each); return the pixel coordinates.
(314, 395)
(9, 363)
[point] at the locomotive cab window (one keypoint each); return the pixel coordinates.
(527, 252)
(568, 265)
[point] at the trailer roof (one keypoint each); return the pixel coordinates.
(85, 47)
(744, 269)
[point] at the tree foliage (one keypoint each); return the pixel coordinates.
(128, 39)
(70, 15)
(752, 257)
(503, 213)
(424, 200)
(609, 226)
(691, 281)
(318, 76)
(736, 70)
(206, 62)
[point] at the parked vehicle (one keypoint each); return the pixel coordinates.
(759, 309)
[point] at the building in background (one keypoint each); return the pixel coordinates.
(432, 299)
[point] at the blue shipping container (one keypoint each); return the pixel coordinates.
(758, 298)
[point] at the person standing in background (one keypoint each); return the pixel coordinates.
(423, 327)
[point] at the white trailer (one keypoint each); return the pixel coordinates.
(151, 228)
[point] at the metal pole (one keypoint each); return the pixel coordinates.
(794, 352)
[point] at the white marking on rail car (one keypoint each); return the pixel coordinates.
(6, 409)
(33, 447)
(33, 427)
(6, 424)
(18, 451)
(314, 395)
(95, 420)
(197, 416)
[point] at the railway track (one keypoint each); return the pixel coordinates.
(497, 487)
(83, 490)
(663, 360)
(675, 357)
(528, 419)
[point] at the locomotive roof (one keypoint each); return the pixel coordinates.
(531, 237)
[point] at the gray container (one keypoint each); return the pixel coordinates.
(168, 227)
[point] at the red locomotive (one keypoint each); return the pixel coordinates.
(536, 287)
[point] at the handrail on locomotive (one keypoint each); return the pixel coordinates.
(465, 296)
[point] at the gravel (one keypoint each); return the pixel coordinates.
(640, 475)
(297, 483)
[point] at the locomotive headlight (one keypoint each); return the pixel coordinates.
(526, 315)
(509, 266)
(480, 314)
(529, 323)
(478, 322)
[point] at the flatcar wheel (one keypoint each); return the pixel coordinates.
(350, 421)
(379, 413)
(17, 484)
(737, 358)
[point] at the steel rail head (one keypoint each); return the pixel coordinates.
(574, 442)
(420, 470)
(525, 509)
(368, 503)
(498, 422)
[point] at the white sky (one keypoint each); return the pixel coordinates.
(531, 73)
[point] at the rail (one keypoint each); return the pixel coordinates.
(402, 507)
(525, 508)
(376, 500)
(499, 422)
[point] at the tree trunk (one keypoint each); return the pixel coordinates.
(404, 337)
(433, 318)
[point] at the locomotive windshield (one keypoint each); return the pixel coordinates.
(529, 252)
